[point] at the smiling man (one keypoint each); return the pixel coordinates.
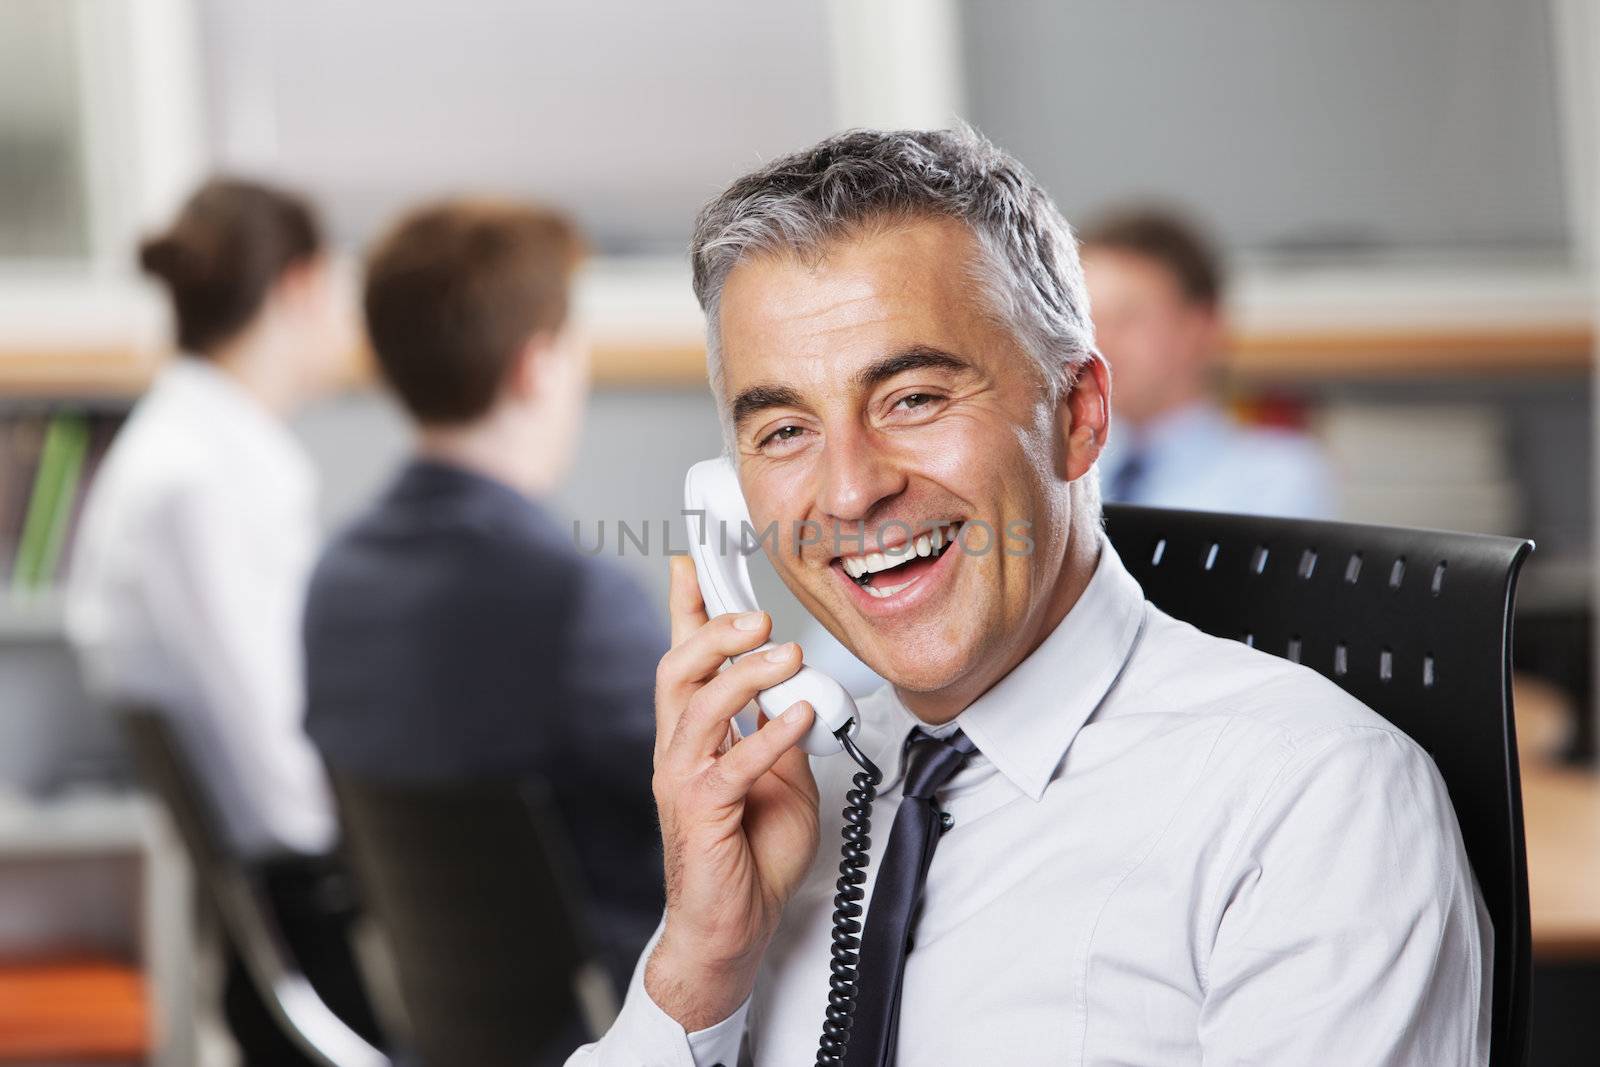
(1102, 837)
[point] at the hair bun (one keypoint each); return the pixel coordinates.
(165, 257)
(229, 245)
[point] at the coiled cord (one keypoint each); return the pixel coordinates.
(853, 860)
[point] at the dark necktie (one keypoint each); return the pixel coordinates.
(930, 763)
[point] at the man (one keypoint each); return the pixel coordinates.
(454, 632)
(1156, 288)
(1162, 847)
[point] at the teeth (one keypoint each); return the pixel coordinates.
(888, 590)
(928, 544)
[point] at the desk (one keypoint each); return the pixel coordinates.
(1561, 817)
(1561, 812)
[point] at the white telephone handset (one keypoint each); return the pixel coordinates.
(712, 488)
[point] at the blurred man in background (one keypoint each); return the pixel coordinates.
(1156, 292)
(454, 632)
(191, 563)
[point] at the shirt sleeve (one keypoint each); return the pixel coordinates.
(1350, 919)
(645, 1036)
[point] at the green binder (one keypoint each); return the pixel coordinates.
(44, 531)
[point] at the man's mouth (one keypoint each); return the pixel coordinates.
(887, 572)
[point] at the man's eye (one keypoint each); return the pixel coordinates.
(782, 434)
(915, 400)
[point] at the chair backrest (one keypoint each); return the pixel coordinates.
(1414, 623)
(474, 887)
(228, 882)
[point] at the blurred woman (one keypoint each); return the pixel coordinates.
(197, 538)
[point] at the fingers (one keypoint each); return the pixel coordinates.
(703, 726)
(697, 659)
(757, 754)
(685, 607)
(699, 656)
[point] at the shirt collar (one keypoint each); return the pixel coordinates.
(425, 481)
(1026, 721)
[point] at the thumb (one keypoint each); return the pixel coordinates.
(685, 607)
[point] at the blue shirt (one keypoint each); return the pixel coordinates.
(1198, 459)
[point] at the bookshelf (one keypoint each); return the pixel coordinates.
(50, 450)
(33, 619)
(1265, 356)
(139, 1002)
(1373, 321)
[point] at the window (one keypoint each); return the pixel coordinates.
(44, 201)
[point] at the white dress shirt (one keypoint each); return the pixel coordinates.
(1170, 849)
(186, 589)
(1199, 459)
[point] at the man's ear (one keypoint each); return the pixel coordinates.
(1085, 416)
(298, 285)
(1211, 331)
(525, 379)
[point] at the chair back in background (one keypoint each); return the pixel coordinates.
(475, 889)
(1416, 624)
(228, 883)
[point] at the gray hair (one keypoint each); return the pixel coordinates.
(1028, 267)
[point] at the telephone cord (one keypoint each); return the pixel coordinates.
(847, 925)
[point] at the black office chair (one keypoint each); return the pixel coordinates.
(240, 900)
(1414, 623)
(474, 886)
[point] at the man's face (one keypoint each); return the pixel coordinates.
(1161, 345)
(873, 389)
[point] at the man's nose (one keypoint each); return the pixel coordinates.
(855, 475)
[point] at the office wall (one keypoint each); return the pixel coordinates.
(627, 114)
(1294, 124)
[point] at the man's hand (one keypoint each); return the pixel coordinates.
(738, 820)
